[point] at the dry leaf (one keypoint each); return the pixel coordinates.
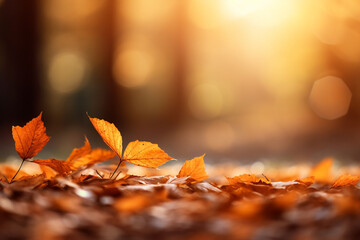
(95, 156)
(307, 181)
(346, 180)
(322, 171)
(109, 133)
(247, 178)
(140, 153)
(48, 172)
(194, 169)
(79, 152)
(31, 138)
(145, 154)
(9, 172)
(59, 166)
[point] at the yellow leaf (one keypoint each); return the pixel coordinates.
(109, 133)
(31, 138)
(322, 171)
(346, 180)
(145, 154)
(194, 169)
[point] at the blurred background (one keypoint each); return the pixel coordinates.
(239, 80)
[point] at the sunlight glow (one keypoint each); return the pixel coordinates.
(66, 72)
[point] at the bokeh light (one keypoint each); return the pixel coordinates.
(132, 68)
(68, 11)
(66, 72)
(206, 101)
(330, 97)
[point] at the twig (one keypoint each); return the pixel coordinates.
(117, 175)
(17, 171)
(266, 177)
(117, 167)
(99, 174)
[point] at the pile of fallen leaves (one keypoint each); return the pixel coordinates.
(78, 199)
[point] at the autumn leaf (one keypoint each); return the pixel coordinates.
(307, 181)
(346, 180)
(194, 169)
(109, 133)
(8, 172)
(145, 154)
(95, 156)
(246, 178)
(322, 171)
(48, 171)
(59, 166)
(79, 152)
(31, 138)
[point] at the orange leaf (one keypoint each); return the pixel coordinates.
(31, 138)
(322, 171)
(109, 133)
(79, 152)
(307, 181)
(194, 169)
(145, 154)
(246, 178)
(48, 171)
(9, 172)
(346, 180)
(95, 156)
(59, 166)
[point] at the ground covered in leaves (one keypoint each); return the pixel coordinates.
(79, 199)
(86, 206)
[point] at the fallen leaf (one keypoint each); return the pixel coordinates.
(322, 171)
(145, 154)
(79, 152)
(9, 172)
(31, 138)
(195, 169)
(59, 166)
(247, 178)
(95, 156)
(346, 180)
(48, 171)
(307, 181)
(109, 133)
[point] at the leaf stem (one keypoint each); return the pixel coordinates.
(265, 177)
(98, 174)
(17, 171)
(117, 167)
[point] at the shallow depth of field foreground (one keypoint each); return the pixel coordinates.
(179, 119)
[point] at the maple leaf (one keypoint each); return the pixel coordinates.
(140, 153)
(346, 180)
(31, 138)
(59, 166)
(194, 168)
